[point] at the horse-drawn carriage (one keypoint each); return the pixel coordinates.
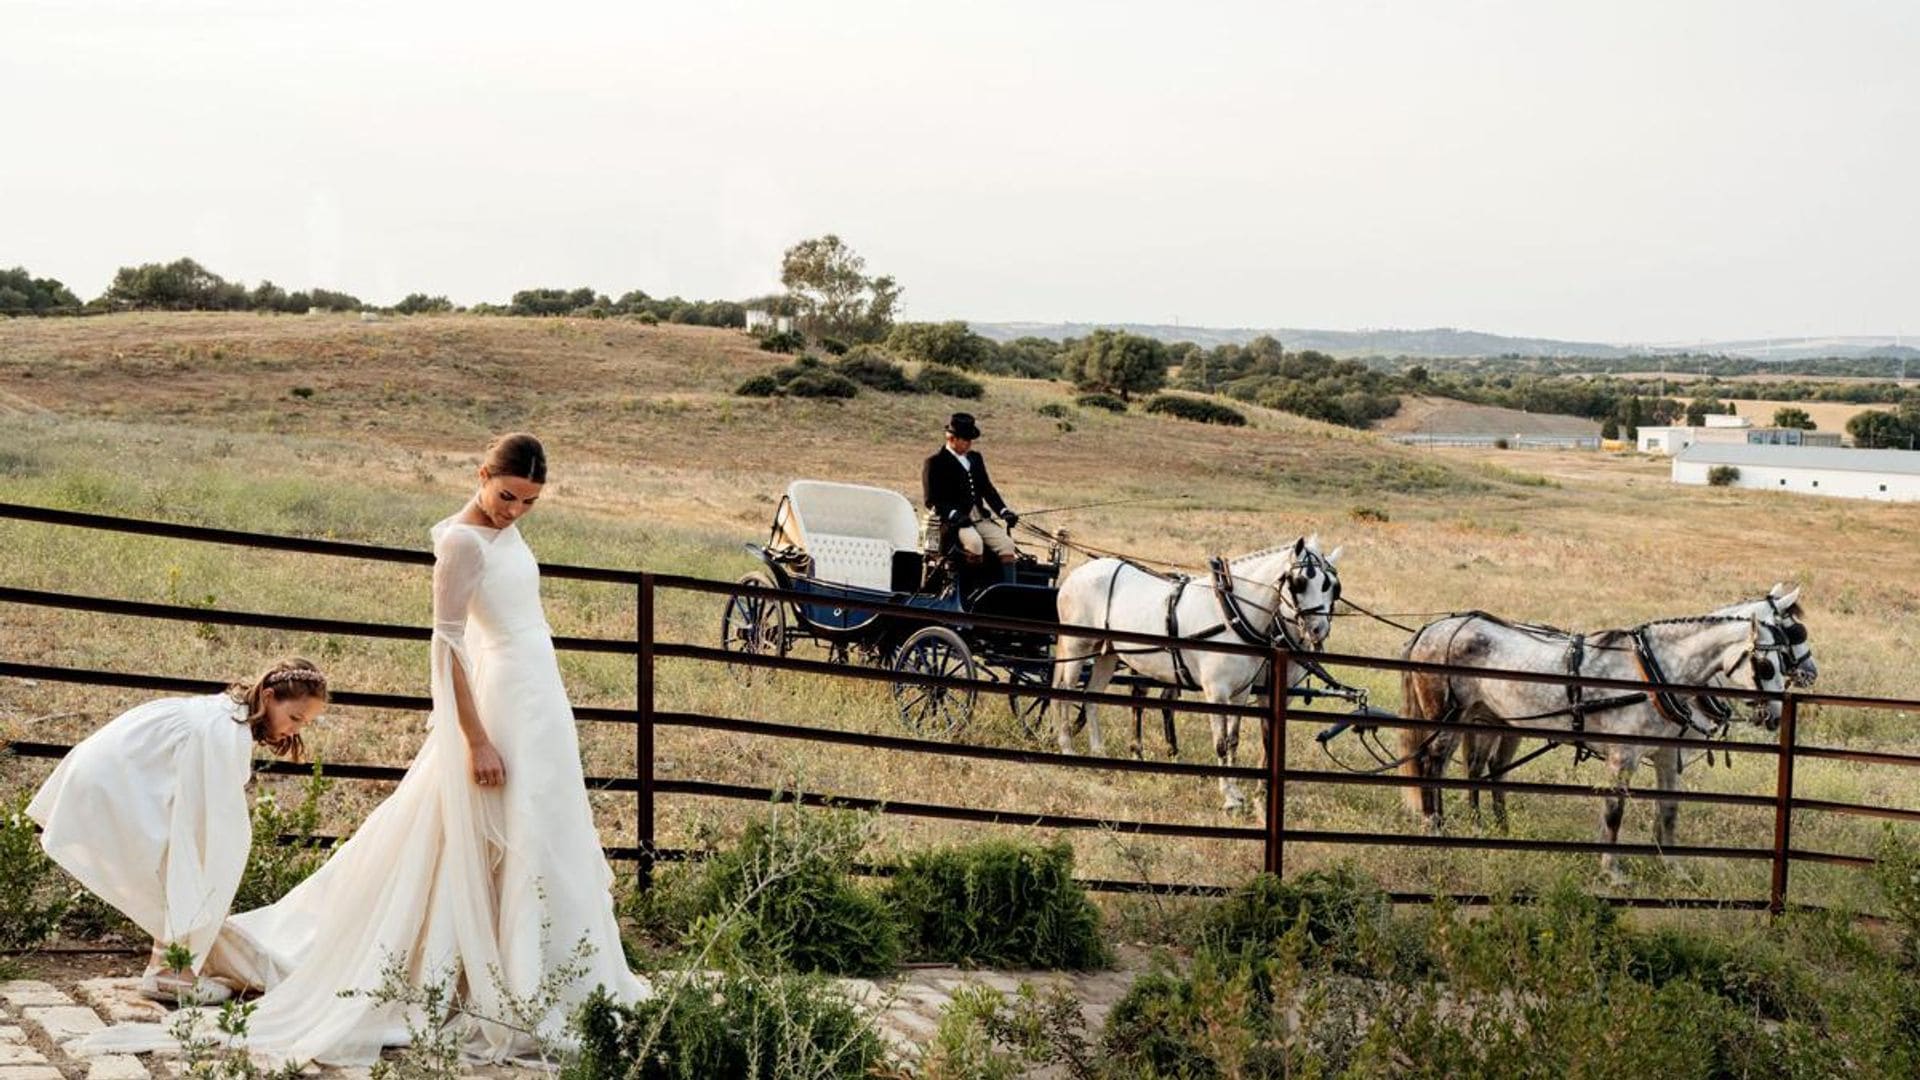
(836, 543)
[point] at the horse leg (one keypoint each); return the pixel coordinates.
(1619, 777)
(1226, 745)
(1066, 676)
(1666, 777)
(1103, 669)
(1166, 724)
(1503, 754)
(1138, 747)
(1479, 749)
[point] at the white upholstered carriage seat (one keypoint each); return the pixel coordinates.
(851, 560)
(851, 530)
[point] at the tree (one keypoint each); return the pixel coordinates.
(1789, 417)
(1116, 362)
(1877, 429)
(832, 294)
(181, 285)
(1610, 429)
(1636, 415)
(949, 343)
(1700, 408)
(23, 294)
(421, 303)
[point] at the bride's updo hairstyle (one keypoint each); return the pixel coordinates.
(518, 454)
(287, 680)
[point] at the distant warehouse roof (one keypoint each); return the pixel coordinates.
(1802, 457)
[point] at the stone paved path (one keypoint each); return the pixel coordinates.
(41, 1019)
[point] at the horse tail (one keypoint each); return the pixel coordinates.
(1423, 696)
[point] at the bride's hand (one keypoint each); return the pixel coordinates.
(488, 769)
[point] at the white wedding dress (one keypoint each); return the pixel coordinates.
(496, 887)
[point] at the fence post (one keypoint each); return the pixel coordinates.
(1783, 806)
(643, 729)
(1276, 746)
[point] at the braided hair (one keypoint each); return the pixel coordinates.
(290, 679)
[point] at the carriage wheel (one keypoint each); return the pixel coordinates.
(754, 626)
(934, 710)
(1028, 710)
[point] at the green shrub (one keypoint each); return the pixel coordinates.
(735, 1026)
(870, 367)
(33, 891)
(1101, 401)
(787, 893)
(1053, 409)
(1723, 476)
(783, 341)
(647, 318)
(998, 903)
(1751, 973)
(833, 346)
(1369, 514)
(1896, 872)
(1342, 912)
(934, 379)
(759, 386)
(285, 851)
(1199, 410)
(820, 384)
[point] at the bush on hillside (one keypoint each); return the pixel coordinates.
(820, 384)
(1723, 476)
(1101, 401)
(1053, 410)
(783, 341)
(934, 379)
(870, 367)
(759, 386)
(997, 903)
(1199, 410)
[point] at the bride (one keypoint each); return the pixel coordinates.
(484, 866)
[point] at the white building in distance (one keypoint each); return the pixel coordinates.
(1886, 475)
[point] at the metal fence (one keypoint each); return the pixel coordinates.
(1277, 776)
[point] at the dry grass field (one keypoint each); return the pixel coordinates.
(327, 426)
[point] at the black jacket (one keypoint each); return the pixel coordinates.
(952, 490)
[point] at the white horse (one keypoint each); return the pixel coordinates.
(1490, 757)
(1727, 651)
(1282, 596)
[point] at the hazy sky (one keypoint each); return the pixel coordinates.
(1616, 170)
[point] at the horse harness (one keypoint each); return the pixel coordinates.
(1234, 617)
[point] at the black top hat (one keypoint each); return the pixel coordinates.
(961, 425)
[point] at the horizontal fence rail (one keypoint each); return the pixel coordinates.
(1276, 713)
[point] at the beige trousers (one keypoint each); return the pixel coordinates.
(984, 534)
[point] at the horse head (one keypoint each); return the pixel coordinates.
(1308, 587)
(1785, 605)
(1758, 660)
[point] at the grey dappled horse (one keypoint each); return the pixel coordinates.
(1728, 651)
(1488, 757)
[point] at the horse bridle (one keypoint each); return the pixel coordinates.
(1301, 572)
(1798, 660)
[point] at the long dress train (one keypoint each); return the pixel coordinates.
(494, 888)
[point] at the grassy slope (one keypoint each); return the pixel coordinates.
(194, 417)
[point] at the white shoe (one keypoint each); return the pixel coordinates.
(171, 989)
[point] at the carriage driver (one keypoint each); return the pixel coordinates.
(955, 486)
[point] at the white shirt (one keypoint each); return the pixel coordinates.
(965, 462)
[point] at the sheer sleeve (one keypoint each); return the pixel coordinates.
(459, 556)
